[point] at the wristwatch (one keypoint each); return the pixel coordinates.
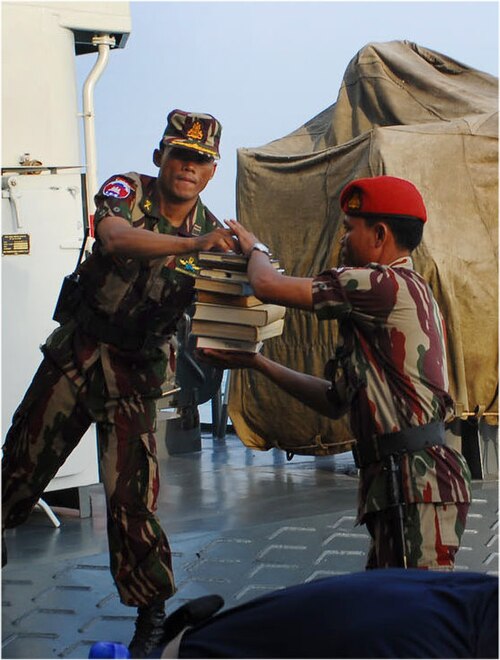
(261, 248)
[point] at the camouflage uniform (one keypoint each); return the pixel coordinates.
(107, 365)
(394, 359)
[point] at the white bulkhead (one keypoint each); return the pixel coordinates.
(45, 146)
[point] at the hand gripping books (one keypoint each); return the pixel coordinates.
(226, 310)
(225, 273)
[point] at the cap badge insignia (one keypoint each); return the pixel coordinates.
(354, 202)
(195, 132)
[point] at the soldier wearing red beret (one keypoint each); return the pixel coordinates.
(389, 373)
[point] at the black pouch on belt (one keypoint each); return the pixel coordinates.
(69, 298)
(70, 294)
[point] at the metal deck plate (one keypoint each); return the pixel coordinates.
(240, 523)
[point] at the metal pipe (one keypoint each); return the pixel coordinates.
(104, 42)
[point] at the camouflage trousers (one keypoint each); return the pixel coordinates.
(432, 533)
(46, 427)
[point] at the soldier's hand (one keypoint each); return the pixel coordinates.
(218, 239)
(226, 359)
(245, 238)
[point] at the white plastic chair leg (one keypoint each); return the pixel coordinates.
(46, 509)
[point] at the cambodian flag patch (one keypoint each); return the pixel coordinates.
(117, 188)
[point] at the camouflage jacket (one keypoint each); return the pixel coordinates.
(130, 307)
(393, 352)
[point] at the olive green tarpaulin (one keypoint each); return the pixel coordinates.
(405, 111)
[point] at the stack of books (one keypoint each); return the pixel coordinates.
(227, 315)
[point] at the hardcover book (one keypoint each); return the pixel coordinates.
(236, 331)
(257, 316)
(227, 260)
(226, 299)
(220, 274)
(223, 286)
(228, 344)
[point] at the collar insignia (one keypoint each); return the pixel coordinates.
(148, 205)
(187, 266)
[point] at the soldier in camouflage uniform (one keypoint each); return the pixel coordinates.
(389, 373)
(107, 360)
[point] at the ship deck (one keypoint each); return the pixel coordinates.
(240, 523)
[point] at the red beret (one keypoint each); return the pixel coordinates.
(383, 196)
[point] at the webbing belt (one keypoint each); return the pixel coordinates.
(406, 441)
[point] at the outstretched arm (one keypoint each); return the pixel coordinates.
(269, 285)
(119, 238)
(310, 390)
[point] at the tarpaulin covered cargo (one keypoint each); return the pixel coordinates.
(409, 112)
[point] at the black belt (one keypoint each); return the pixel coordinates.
(406, 441)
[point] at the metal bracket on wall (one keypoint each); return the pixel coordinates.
(13, 193)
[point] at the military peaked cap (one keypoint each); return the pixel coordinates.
(193, 130)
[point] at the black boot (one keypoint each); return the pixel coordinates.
(148, 630)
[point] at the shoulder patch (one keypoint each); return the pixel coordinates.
(118, 188)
